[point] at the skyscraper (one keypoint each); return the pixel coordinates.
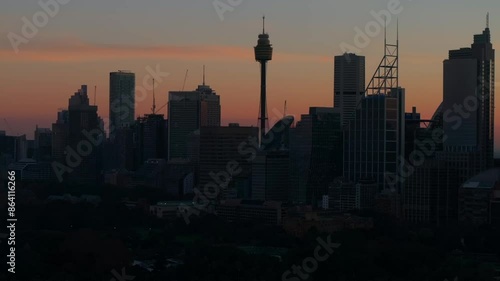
(60, 131)
(121, 100)
(43, 144)
(151, 134)
(187, 112)
(263, 54)
(349, 84)
(316, 154)
(271, 176)
(468, 100)
(271, 166)
(83, 121)
(466, 116)
(374, 142)
(220, 146)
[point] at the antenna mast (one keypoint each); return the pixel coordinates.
(264, 24)
(385, 32)
(95, 93)
(154, 101)
(185, 78)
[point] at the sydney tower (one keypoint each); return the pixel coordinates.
(263, 54)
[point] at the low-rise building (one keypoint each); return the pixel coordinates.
(267, 212)
(168, 209)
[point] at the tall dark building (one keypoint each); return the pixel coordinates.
(468, 101)
(465, 121)
(188, 111)
(271, 176)
(315, 154)
(271, 166)
(124, 149)
(43, 145)
(374, 142)
(430, 193)
(121, 100)
(12, 150)
(349, 85)
(82, 122)
(419, 135)
(220, 146)
(60, 131)
(263, 54)
(151, 138)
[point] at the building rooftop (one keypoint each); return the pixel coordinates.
(173, 203)
(247, 202)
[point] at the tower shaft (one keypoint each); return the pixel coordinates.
(263, 99)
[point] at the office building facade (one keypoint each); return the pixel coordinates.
(374, 142)
(349, 84)
(188, 111)
(121, 100)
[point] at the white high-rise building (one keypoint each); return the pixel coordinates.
(121, 100)
(349, 84)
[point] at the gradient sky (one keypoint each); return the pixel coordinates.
(88, 39)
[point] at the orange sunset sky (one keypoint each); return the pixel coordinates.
(86, 40)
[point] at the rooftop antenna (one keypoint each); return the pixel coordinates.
(203, 75)
(397, 30)
(264, 24)
(488, 20)
(397, 53)
(95, 93)
(385, 31)
(154, 101)
(284, 110)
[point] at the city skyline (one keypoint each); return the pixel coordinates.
(228, 68)
(249, 140)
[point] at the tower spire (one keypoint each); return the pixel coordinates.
(203, 75)
(154, 101)
(397, 30)
(488, 20)
(264, 24)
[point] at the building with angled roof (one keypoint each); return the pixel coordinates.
(30, 170)
(315, 154)
(476, 196)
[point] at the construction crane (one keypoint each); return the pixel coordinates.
(183, 86)
(185, 78)
(10, 128)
